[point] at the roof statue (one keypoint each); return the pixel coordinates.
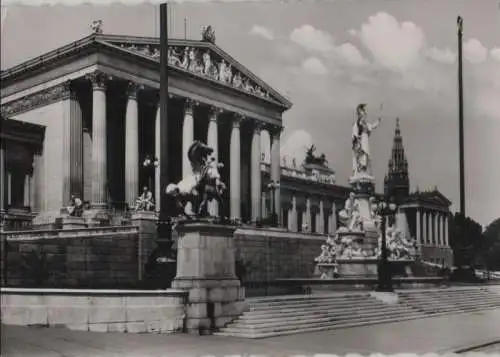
(96, 26)
(208, 34)
(313, 159)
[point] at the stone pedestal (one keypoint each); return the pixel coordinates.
(357, 268)
(146, 221)
(206, 269)
(69, 222)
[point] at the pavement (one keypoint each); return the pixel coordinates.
(437, 334)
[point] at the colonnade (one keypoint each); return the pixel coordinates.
(432, 227)
(320, 220)
(99, 82)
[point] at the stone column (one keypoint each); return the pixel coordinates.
(132, 145)
(235, 169)
(436, 236)
(263, 204)
(332, 220)
(27, 190)
(99, 151)
(187, 136)
(158, 156)
(446, 226)
(275, 168)
(320, 226)
(424, 227)
(213, 142)
(308, 220)
(3, 169)
(9, 188)
(255, 181)
(443, 220)
(418, 224)
(72, 145)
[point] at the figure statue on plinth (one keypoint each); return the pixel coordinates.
(361, 131)
(145, 202)
(193, 193)
(75, 207)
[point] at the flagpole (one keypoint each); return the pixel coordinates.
(461, 117)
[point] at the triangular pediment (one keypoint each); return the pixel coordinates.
(200, 58)
(433, 197)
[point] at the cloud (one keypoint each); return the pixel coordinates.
(312, 39)
(474, 51)
(393, 45)
(351, 54)
(445, 55)
(314, 65)
(495, 53)
(262, 31)
(295, 146)
(353, 32)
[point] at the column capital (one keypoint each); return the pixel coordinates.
(189, 105)
(214, 112)
(133, 89)
(237, 119)
(258, 125)
(67, 90)
(275, 130)
(99, 80)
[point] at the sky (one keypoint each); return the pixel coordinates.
(328, 56)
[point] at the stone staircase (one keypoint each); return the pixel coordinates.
(285, 315)
(452, 300)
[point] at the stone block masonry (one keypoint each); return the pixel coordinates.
(104, 257)
(133, 311)
(267, 255)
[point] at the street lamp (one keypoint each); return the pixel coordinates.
(150, 163)
(384, 274)
(273, 186)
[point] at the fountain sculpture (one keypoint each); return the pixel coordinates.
(354, 251)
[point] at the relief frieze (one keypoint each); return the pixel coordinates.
(29, 102)
(202, 62)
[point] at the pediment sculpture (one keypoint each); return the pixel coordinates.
(203, 62)
(193, 193)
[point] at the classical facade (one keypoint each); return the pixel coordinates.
(96, 100)
(423, 215)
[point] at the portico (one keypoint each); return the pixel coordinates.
(110, 121)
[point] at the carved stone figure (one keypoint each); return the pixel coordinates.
(173, 57)
(96, 26)
(237, 82)
(208, 34)
(350, 216)
(75, 207)
(222, 73)
(145, 202)
(398, 246)
(247, 86)
(361, 131)
(185, 58)
(327, 255)
(193, 193)
(313, 159)
(207, 63)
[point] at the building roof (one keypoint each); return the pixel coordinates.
(432, 197)
(147, 49)
(21, 132)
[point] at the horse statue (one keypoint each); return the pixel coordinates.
(194, 192)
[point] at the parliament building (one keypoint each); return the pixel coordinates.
(80, 121)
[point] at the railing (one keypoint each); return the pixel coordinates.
(300, 174)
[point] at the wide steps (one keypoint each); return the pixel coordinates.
(229, 331)
(305, 319)
(311, 306)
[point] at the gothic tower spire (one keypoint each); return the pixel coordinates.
(397, 181)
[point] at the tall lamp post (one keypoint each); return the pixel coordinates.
(461, 117)
(273, 186)
(384, 208)
(150, 164)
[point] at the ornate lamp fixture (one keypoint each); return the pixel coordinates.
(384, 208)
(273, 186)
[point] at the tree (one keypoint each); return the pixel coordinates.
(467, 241)
(492, 238)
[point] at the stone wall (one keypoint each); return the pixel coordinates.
(132, 311)
(101, 257)
(276, 254)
